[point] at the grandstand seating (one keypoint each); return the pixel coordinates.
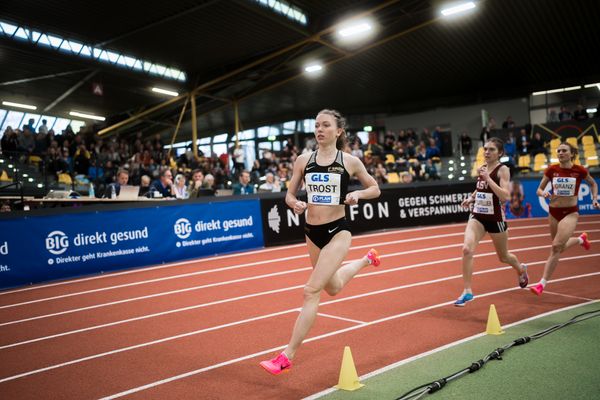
(540, 162)
(524, 162)
(393, 177)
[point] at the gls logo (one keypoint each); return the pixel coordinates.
(57, 242)
(563, 180)
(319, 178)
(182, 228)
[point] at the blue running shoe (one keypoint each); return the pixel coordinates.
(463, 299)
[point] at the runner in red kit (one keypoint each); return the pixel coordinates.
(565, 178)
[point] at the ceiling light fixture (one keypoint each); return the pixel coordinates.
(165, 91)
(312, 68)
(88, 116)
(19, 105)
(359, 28)
(459, 8)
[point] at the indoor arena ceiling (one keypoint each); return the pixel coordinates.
(240, 50)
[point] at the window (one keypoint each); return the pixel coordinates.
(13, 119)
(263, 131)
(219, 149)
(285, 9)
(60, 125)
(247, 134)
(308, 125)
(204, 140)
(289, 126)
(222, 138)
(205, 150)
(77, 125)
(58, 43)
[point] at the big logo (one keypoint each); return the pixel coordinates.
(57, 242)
(182, 228)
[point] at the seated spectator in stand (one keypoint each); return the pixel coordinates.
(388, 144)
(144, 186)
(580, 114)
(552, 116)
(465, 144)
(122, 179)
(5, 207)
(209, 182)
(10, 141)
(81, 160)
(538, 145)
(422, 152)
(508, 123)
(406, 177)
(523, 144)
(179, 189)
(510, 148)
(243, 186)
(270, 184)
(196, 183)
(26, 141)
(437, 136)
(163, 184)
(432, 150)
(564, 114)
(431, 172)
(381, 174)
(356, 150)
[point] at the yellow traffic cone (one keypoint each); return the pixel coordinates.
(348, 376)
(493, 323)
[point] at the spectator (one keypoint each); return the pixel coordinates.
(122, 180)
(523, 144)
(43, 127)
(381, 175)
(580, 114)
(431, 171)
(5, 207)
(196, 183)
(510, 147)
(508, 123)
(537, 145)
(270, 185)
(465, 144)
(243, 186)
(209, 182)
(239, 159)
(179, 190)
(163, 184)
(144, 186)
(564, 114)
(432, 150)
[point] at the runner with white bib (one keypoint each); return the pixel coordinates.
(326, 174)
(487, 215)
(565, 179)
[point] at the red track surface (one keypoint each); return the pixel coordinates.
(100, 337)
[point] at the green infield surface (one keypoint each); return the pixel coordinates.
(564, 364)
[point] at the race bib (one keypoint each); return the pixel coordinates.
(484, 203)
(564, 186)
(323, 188)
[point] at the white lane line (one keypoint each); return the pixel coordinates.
(265, 262)
(220, 257)
(214, 258)
(214, 328)
(312, 339)
(419, 265)
(566, 295)
(263, 276)
(354, 321)
(447, 346)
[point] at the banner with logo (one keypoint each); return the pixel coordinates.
(397, 207)
(41, 248)
(525, 203)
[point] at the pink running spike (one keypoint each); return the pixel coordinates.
(537, 289)
(373, 257)
(585, 242)
(277, 365)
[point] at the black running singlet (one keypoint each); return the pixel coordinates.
(326, 185)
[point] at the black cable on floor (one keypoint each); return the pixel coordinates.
(432, 387)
